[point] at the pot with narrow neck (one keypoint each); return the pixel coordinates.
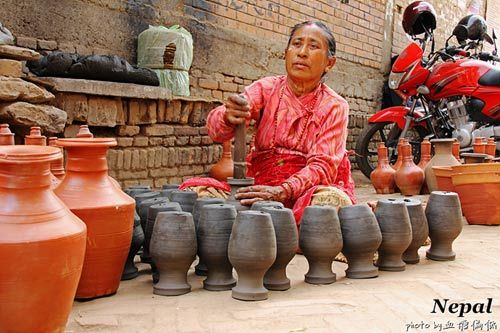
(442, 157)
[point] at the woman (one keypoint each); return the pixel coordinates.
(299, 156)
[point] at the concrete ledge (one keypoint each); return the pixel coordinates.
(107, 88)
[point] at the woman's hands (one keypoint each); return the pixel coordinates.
(237, 110)
(249, 195)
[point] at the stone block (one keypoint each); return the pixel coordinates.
(173, 155)
(141, 141)
(157, 130)
(164, 156)
(47, 44)
(164, 172)
(103, 111)
(136, 160)
(206, 140)
(182, 141)
(158, 157)
(161, 110)
(75, 105)
(11, 68)
(127, 159)
(121, 112)
(124, 142)
(135, 174)
(173, 112)
(155, 141)
(195, 116)
(48, 117)
(185, 130)
(141, 112)
(187, 107)
(228, 86)
(169, 142)
(15, 89)
(143, 159)
(194, 140)
(119, 159)
(127, 130)
(18, 53)
(67, 47)
(111, 158)
(151, 158)
(28, 42)
(208, 84)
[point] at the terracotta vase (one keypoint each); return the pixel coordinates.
(259, 205)
(35, 137)
(42, 244)
(320, 240)
(444, 216)
(57, 167)
(455, 149)
(84, 132)
(173, 249)
(224, 168)
(395, 226)
(130, 271)
(252, 251)
(144, 216)
(419, 230)
(361, 238)
(491, 147)
(479, 194)
(6, 136)
(382, 177)
(409, 177)
(479, 146)
(214, 230)
(285, 230)
(425, 153)
(186, 199)
(201, 269)
(442, 157)
(107, 211)
(399, 161)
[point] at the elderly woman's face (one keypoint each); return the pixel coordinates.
(306, 57)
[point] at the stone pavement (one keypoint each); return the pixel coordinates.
(393, 302)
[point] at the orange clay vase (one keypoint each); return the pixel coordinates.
(224, 168)
(106, 210)
(399, 161)
(6, 136)
(35, 137)
(442, 157)
(409, 177)
(382, 177)
(455, 149)
(42, 244)
(491, 147)
(425, 157)
(479, 146)
(57, 167)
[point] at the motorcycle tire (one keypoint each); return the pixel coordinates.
(387, 132)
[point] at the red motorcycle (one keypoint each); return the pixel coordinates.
(454, 93)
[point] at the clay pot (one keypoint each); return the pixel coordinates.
(224, 168)
(6, 136)
(443, 178)
(42, 244)
(442, 157)
(186, 199)
(479, 194)
(382, 177)
(170, 186)
(201, 269)
(425, 153)
(130, 271)
(173, 249)
(259, 205)
(444, 216)
(491, 147)
(214, 231)
(479, 146)
(320, 240)
(57, 167)
(107, 211)
(419, 230)
(35, 137)
(395, 226)
(399, 161)
(476, 167)
(473, 158)
(285, 230)
(361, 238)
(409, 177)
(251, 251)
(145, 220)
(455, 149)
(137, 189)
(166, 193)
(84, 132)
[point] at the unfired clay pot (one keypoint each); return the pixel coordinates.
(173, 249)
(224, 168)
(107, 211)
(442, 157)
(361, 237)
(6, 136)
(252, 251)
(145, 220)
(320, 240)
(419, 230)
(409, 177)
(444, 216)
(201, 269)
(285, 229)
(130, 271)
(259, 205)
(382, 177)
(394, 221)
(214, 230)
(140, 197)
(186, 199)
(42, 244)
(170, 187)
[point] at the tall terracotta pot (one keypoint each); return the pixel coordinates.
(224, 168)
(442, 157)
(409, 177)
(382, 177)
(6, 136)
(106, 210)
(42, 244)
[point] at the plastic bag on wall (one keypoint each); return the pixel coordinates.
(165, 48)
(176, 81)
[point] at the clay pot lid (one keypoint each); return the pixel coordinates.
(87, 142)
(29, 154)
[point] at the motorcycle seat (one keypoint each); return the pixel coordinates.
(491, 78)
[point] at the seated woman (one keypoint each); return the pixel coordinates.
(298, 154)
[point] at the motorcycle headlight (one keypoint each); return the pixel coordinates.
(395, 79)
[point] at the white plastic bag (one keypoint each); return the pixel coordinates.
(176, 81)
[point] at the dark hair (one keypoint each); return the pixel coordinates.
(328, 34)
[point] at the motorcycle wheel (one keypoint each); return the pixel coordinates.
(388, 133)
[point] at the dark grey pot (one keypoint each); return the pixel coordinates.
(143, 214)
(259, 205)
(419, 230)
(130, 271)
(185, 198)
